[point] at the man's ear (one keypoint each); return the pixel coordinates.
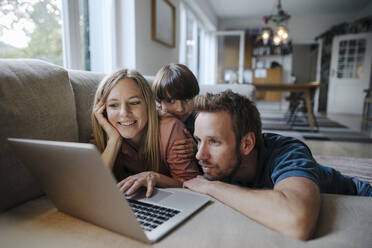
(247, 143)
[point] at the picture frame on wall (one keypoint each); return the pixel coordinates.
(163, 22)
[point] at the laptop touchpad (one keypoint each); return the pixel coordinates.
(157, 195)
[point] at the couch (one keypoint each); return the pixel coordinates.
(44, 101)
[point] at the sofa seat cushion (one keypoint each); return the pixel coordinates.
(36, 101)
(344, 222)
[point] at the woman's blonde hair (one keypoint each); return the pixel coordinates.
(150, 145)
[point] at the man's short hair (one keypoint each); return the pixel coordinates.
(244, 114)
(175, 81)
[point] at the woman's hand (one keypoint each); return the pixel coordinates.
(111, 131)
(185, 148)
(146, 179)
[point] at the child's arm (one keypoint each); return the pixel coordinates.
(185, 148)
(181, 169)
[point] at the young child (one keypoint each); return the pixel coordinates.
(174, 87)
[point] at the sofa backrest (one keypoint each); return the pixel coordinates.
(36, 101)
(84, 84)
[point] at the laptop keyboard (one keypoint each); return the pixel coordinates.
(151, 216)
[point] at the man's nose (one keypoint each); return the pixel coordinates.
(202, 152)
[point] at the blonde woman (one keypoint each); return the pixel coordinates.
(135, 145)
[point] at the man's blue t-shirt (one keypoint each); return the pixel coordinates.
(281, 157)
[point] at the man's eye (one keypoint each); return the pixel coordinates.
(213, 141)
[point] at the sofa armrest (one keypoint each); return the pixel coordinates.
(36, 101)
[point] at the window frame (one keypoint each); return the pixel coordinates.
(71, 43)
(204, 53)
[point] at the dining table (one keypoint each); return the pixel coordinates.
(308, 90)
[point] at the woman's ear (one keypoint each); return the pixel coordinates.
(247, 143)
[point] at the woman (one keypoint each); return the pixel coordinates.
(134, 144)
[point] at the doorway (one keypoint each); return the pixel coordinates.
(230, 56)
(350, 73)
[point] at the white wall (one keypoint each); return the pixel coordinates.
(151, 55)
(367, 11)
(121, 35)
(302, 29)
(204, 11)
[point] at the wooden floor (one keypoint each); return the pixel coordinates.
(347, 149)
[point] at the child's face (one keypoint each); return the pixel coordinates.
(181, 109)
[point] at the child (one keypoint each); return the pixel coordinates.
(174, 87)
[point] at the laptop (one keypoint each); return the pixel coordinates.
(78, 182)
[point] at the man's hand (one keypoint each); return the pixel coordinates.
(199, 184)
(146, 179)
(185, 148)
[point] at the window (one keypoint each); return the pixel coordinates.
(192, 43)
(84, 33)
(76, 42)
(31, 29)
(39, 29)
(351, 58)
(197, 46)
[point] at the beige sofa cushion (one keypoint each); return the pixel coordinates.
(344, 222)
(36, 101)
(84, 84)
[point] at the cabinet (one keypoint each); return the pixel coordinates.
(265, 55)
(273, 75)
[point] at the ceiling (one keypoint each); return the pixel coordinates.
(229, 9)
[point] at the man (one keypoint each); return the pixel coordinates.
(272, 179)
